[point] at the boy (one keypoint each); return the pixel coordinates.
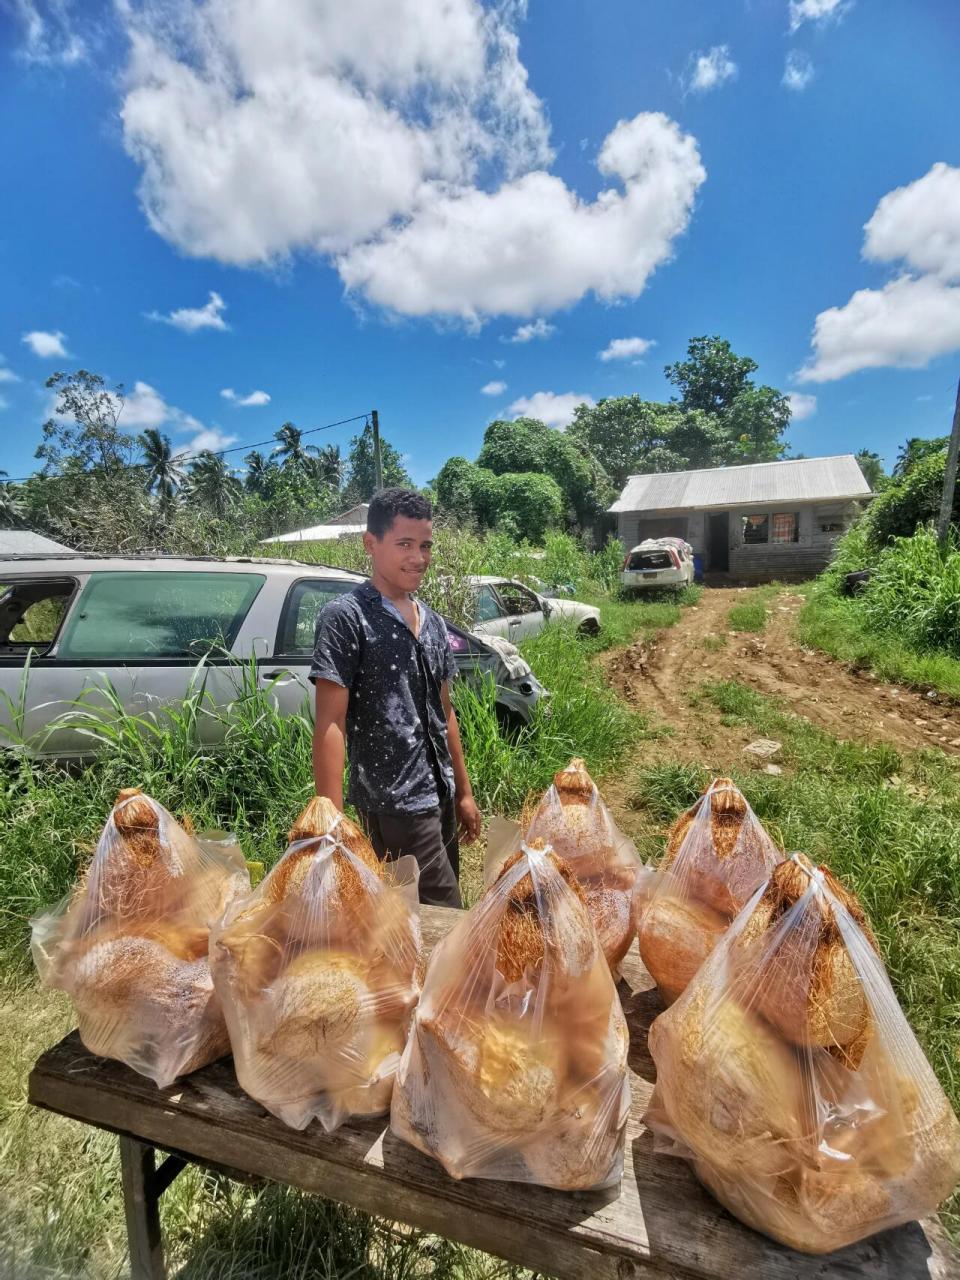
(382, 666)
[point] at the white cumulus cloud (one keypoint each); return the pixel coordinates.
(254, 399)
(555, 409)
(915, 316)
(493, 389)
(798, 71)
(801, 405)
(533, 245)
(710, 70)
(46, 344)
(536, 329)
(6, 373)
(190, 319)
(821, 11)
(263, 129)
(144, 406)
(211, 438)
(626, 349)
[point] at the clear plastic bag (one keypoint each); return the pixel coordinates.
(717, 855)
(789, 1075)
(574, 820)
(130, 944)
(516, 1066)
(318, 971)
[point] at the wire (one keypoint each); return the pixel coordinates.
(217, 453)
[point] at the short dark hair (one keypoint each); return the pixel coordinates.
(386, 505)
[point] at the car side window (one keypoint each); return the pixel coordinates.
(31, 614)
(144, 615)
(488, 605)
(298, 620)
(518, 599)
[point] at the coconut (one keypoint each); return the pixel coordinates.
(574, 821)
(809, 987)
(676, 936)
(320, 1004)
(730, 1087)
(134, 1000)
(726, 854)
(321, 817)
(521, 941)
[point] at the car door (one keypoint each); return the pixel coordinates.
(140, 640)
(285, 674)
(492, 616)
(525, 610)
(32, 612)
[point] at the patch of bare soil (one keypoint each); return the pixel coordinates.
(657, 676)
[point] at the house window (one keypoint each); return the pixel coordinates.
(831, 526)
(785, 526)
(755, 528)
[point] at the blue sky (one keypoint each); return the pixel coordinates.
(361, 208)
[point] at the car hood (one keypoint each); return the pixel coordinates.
(508, 653)
(572, 609)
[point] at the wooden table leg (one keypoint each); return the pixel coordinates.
(141, 1204)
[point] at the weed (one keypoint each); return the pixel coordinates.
(749, 616)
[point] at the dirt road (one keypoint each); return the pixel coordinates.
(657, 678)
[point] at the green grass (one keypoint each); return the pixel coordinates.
(749, 616)
(839, 627)
(888, 825)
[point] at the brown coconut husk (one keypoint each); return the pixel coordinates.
(135, 878)
(809, 989)
(320, 1005)
(734, 860)
(520, 939)
(676, 936)
(729, 1086)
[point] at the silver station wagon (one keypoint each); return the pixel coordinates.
(142, 624)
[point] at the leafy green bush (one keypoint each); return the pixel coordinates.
(913, 501)
(914, 593)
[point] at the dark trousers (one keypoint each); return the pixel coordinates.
(432, 839)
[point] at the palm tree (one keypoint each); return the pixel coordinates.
(211, 482)
(11, 505)
(163, 472)
(330, 466)
(258, 469)
(290, 449)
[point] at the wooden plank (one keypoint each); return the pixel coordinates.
(142, 1210)
(661, 1224)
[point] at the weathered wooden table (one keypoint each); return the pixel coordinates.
(660, 1223)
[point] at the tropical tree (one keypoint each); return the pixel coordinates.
(259, 470)
(915, 450)
(212, 483)
(329, 465)
(12, 509)
(871, 464)
(84, 432)
(361, 471)
(162, 470)
(291, 450)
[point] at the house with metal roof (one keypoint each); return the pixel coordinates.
(24, 542)
(757, 522)
(346, 523)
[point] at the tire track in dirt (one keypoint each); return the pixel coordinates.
(657, 676)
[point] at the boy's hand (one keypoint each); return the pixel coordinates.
(468, 816)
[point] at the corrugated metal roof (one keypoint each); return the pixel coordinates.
(318, 533)
(799, 480)
(24, 542)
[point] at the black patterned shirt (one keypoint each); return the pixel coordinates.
(397, 751)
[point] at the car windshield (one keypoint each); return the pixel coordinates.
(650, 560)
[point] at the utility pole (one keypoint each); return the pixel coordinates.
(950, 476)
(377, 460)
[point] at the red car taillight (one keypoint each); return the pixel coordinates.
(675, 557)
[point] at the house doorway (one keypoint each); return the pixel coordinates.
(718, 542)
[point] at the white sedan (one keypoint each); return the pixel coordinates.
(507, 608)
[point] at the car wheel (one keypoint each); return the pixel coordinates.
(589, 627)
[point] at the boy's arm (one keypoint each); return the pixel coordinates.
(329, 740)
(467, 811)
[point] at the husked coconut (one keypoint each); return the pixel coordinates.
(573, 819)
(810, 989)
(729, 1086)
(719, 850)
(319, 1005)
(676, 937)
(521, 940)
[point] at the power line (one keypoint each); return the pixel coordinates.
(218, 453)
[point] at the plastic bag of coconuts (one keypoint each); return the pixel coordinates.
(574, 820)
(717, 855)
(788, 1074)
(318, 971)
(129, 945)
(516, 1066)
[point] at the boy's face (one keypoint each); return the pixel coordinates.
(402, 556)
